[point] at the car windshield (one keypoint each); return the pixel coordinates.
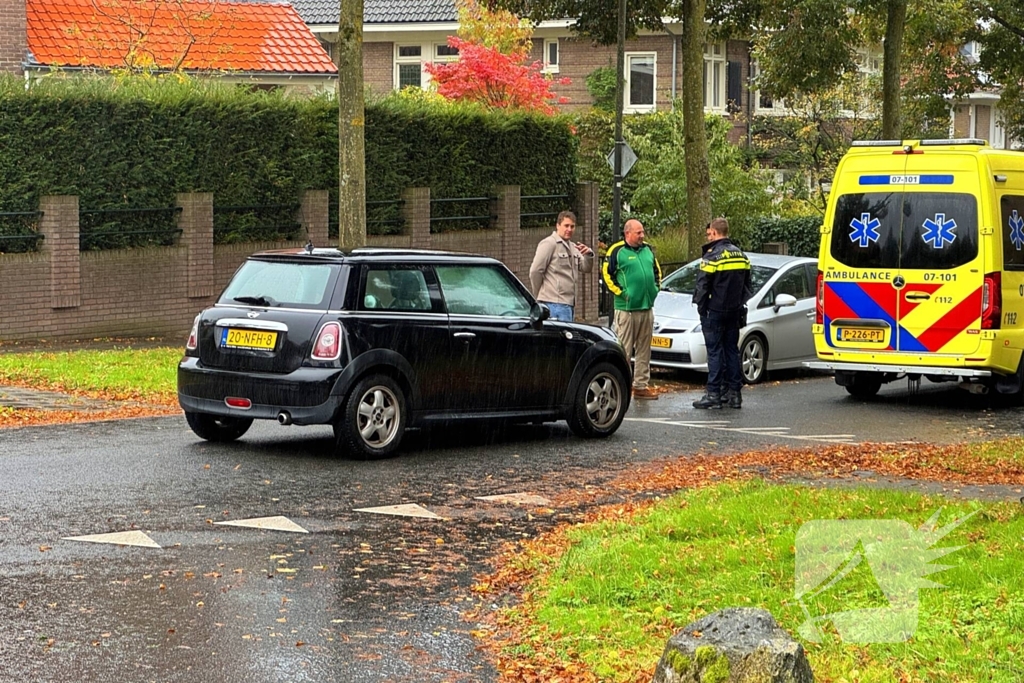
(281, 284)
(684, 280)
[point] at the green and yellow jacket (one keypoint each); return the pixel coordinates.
(633, 275)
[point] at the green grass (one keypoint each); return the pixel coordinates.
(622, 588)
(126, 373)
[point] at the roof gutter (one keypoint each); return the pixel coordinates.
(36, 67)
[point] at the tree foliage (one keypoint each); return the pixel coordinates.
(493, 68)
(1002, 57)
(595, 19)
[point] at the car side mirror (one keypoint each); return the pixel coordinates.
(538, 314)
(783, 300)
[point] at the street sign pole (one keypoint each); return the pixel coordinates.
(620, 83)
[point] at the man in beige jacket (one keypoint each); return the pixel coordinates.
(557, 266)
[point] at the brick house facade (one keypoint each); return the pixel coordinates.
(13, 39)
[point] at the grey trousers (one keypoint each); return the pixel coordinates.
(634, 329)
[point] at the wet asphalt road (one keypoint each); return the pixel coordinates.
(362, 597)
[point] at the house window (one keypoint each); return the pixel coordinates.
(714, 76)
(445, 53)
(551, 56)
(408, 66)
(641, 75)
(764, 101)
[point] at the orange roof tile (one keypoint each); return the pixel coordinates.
(163, 34)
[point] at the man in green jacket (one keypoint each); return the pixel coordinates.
(633, 274)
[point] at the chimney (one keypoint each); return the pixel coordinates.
(13, 39)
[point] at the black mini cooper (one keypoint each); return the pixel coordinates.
(376, 340)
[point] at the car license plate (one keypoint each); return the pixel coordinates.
(661, 342)
(248, 339)
(865, 334)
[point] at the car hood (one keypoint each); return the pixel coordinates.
(675, 306)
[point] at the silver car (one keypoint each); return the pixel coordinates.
(779, 318)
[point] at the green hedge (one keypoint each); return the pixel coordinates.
(802, 234)
(135, 143)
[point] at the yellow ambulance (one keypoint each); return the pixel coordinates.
(921, 266)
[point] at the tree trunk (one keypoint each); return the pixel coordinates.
(695, 141)
(892, 49)
(351, 128)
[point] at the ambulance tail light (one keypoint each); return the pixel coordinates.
(819, 303)
(991, 301)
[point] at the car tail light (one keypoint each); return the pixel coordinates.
(991, 301)
(819, 303)
(193, 337)
(242, 403)
(328, 342)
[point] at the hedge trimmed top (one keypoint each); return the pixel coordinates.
(137, 142)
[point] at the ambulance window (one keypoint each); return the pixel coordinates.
(1012, 211)
(940, 230)
(866, 231)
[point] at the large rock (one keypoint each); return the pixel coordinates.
(734, 645)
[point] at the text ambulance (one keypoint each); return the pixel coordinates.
(921, 266)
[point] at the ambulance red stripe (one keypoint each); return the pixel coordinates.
(953, 323)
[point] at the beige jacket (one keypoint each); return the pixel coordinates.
(556, 270)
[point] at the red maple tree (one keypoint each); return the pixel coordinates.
(498, 80)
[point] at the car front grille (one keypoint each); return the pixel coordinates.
(670, 357)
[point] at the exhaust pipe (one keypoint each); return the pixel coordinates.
(974, 387)
(284, 418)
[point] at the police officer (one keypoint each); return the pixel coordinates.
(723, 288)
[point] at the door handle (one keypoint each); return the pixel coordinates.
(917, 296)
(465, 336)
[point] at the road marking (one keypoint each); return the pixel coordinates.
(410, 510)
(721, 425)
(516, 499)
(135, 538)
(278, 523)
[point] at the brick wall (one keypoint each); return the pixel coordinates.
(378, 67)
(61, 293)
(13, 41)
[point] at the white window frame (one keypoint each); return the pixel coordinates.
(628, 106)
(405, 61)
(442, 58)
(549, 66)
(778, 107)
(716, 69)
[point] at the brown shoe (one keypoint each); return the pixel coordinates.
(646, 393)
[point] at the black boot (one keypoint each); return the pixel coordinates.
(733, 398)
(708, 401)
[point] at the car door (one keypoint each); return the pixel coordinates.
(399, 308)
(500, 363)
(791, 337)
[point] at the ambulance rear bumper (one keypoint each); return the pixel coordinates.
(896, 369)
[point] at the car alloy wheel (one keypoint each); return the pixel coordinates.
(601, 402)
(604, 397)
(373, 420)
(754, 356)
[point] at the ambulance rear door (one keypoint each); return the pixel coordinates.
(941, 274)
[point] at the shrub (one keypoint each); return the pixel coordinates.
(802, 234)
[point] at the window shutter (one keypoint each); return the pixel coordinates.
(734, 86)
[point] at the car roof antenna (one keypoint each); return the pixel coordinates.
(309, 247)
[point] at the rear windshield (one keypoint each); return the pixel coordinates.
(925, 230)
(684, 280)
(281, 284)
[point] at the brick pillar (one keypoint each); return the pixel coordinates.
(313, 212)
(506, 207)
(13, 38)
(416, 214)
(59, 226)
(586, 232)
(196, 223)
